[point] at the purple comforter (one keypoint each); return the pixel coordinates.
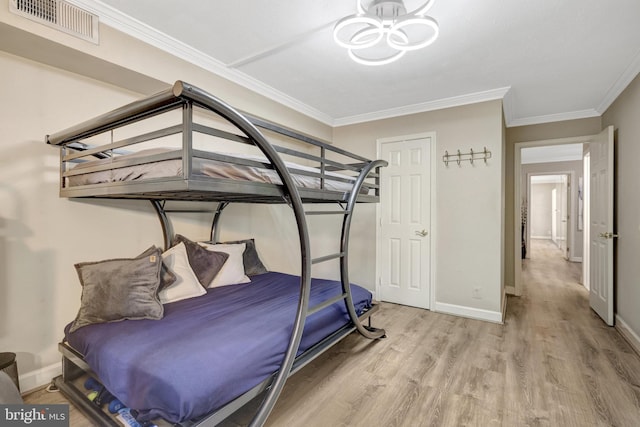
(208, 350)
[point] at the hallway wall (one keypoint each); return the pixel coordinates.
(540, 210)
(624, 115)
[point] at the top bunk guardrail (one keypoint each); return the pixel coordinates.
(169, 146)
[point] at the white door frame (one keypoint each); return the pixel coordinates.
(517, 172)
(431, 227)
(586, 200)
(554, 215)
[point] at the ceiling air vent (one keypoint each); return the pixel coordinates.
(59, 14)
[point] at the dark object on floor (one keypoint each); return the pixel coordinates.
(9, 366)
(9, 393)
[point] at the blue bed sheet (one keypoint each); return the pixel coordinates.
(208, 350)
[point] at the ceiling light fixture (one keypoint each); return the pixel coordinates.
(383, 31)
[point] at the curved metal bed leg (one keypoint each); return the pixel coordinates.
(215, 224)
(167, 229)
(368, 332)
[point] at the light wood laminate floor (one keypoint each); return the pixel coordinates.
(553, 363)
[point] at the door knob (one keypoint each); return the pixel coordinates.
(608, 235)
(422, 233)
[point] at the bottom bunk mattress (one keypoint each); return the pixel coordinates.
(208, 350)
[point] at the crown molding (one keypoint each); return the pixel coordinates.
(507, 106)
(620, 85)
(456, 101)
(141, 31)
(550, 118)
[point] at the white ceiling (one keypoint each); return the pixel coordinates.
(550, 59)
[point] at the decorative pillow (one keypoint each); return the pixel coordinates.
(205, 264)
(167, 278)
(186, 284)
(252, 263)
(119, 289)
(232, 271)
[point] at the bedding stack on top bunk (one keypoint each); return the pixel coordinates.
(169, 347)
(116, 169)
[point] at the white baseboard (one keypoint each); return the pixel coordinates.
(510, 290)
(632, 337)
(472, 313)
(541, 237)
(38, 378)
(575, 259)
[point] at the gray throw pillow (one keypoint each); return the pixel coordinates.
(204, 263)
(252, 263)
(167, 277)
(119, 289)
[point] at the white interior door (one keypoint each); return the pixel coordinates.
(601, 225)
(405, 222)
(563, 211)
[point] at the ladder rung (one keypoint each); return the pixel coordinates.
(327, 258)
(325, 304)
(342, 212)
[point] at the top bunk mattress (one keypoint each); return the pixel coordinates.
(208, 350)
(152, 164)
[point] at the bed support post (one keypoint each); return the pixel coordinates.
(367, 331)
(167, 229)
(215, 224)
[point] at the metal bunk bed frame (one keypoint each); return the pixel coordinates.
(185, 96)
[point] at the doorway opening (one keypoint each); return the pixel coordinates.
(595, 218)
(549, 214)
(553, 171)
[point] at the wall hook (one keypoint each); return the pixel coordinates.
(470, 156)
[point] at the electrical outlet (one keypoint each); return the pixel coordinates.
(477, 293)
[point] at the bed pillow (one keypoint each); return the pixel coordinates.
(167, 278)
(119, 289)
(186, 284)
(252, 263)
(205, 264)
(232, 271)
